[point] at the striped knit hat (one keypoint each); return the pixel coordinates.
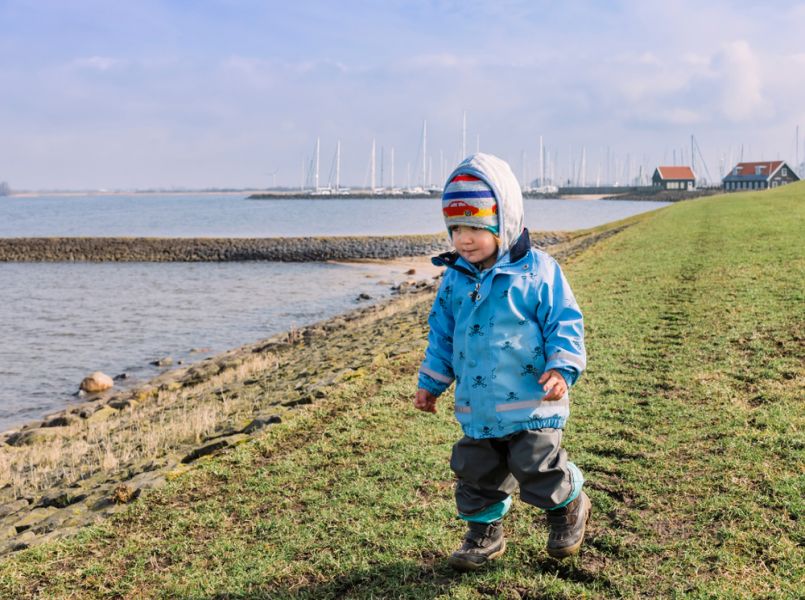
(469, 201)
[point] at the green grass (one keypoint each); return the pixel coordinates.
(688, 426)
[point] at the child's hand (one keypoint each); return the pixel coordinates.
(554, 384)
(425, 401)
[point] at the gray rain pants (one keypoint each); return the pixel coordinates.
(489, 471)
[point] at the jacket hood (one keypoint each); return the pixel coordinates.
(497, 174)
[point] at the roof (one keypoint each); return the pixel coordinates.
(676, 173)
(748, 170)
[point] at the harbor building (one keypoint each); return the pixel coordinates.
(759, 175)
(674, 178)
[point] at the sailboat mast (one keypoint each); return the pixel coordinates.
(424, 153)
(583, 166)
(541, 163)
(373, 166)
(316, 176)
(392, 167)
(692, 156)
(338, 165)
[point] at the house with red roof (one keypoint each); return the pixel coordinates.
(674, 178)
(759, 175)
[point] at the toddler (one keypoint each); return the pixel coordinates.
(506, 328)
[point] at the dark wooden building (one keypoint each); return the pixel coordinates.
(674, 178)
(759, 175)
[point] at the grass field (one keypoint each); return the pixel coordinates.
(687, 424)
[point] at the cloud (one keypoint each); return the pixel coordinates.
(97, 63)
(442, 60)
(742, 84)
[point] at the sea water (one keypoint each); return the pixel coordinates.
(61, 321)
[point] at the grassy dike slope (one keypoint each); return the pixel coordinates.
(688, 426)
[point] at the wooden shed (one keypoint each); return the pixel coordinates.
(674, 178)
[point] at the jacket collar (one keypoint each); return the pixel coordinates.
(518, 250)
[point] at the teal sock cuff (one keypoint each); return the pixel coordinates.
(491, 513)
(576, 481)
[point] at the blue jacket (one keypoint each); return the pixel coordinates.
(497, 331)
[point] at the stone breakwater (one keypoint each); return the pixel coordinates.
(299, 249)
(216, 249)
(90, 460)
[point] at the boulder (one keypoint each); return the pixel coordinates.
(97, 382)
(165, 361)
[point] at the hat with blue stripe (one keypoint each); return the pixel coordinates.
(468, 200)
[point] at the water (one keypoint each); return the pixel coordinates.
(227, 215)
(60, 321)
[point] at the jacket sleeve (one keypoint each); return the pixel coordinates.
(562, 325)
(436, 373)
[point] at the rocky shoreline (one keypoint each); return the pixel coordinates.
(89, 460)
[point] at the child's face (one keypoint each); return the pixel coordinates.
(477, 246)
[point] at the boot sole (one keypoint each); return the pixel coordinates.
(460, 564)
(574, 549)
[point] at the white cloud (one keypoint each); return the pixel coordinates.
(742, 83)
(97, 63)
(436, 61)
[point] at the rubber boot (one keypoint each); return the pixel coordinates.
(482, 543)
(567, 527)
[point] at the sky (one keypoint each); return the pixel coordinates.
(160, 94)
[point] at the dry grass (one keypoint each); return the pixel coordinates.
(162, 424)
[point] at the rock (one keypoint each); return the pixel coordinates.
(146, 481)
(200, 350)
(165, 361)
(102, 414)
(12, 507)
(261, 422)
(145, 394)
(60, 499)
(214, 447)
(63, 420)
(121, 403)
(298, 402)
(411, 272)
(53, 522)
(42, 435)
(96, 382)
(123, 494)
(363, 296)
(32, 518)
(121, 376)
(22, 542)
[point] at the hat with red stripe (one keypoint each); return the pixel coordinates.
(468, 200)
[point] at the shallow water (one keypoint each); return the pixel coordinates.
(61, 321)
(211, 215)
